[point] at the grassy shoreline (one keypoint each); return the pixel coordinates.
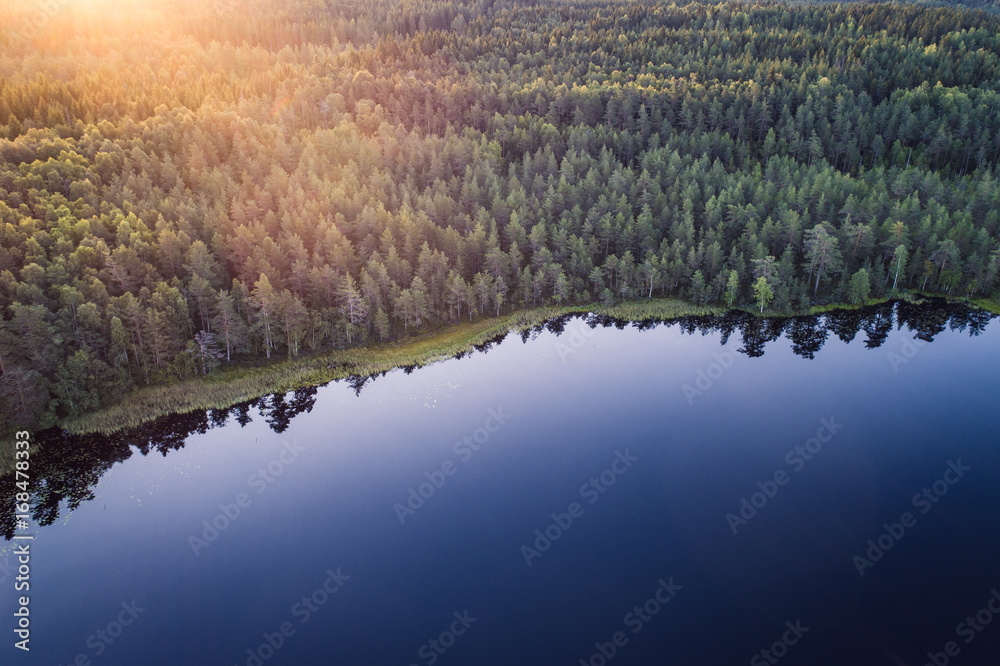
(235, 385)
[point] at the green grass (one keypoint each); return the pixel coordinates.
(657, 308)
(914, 297)
(235, 385)
(820, 309)
(988, 304)
(232, 386)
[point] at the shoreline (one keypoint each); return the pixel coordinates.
(232, 386)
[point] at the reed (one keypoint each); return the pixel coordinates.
(656, 308)
(232, 386)
(820, 309)
(988, 305)
(227, 387)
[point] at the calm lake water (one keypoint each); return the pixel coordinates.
(825, 489)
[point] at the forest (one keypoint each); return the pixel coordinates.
(189, 186)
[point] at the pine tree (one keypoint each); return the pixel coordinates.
(381, 324)
(263, 301)
(352, 305)
(899, 259)
(823, 253)
(231, 328)
(208, 351)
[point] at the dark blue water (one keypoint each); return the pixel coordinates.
(573, 498)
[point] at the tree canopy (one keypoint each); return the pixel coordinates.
(186, 185)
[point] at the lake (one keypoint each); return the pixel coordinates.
(817, 490)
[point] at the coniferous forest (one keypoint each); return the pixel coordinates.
(186, 186)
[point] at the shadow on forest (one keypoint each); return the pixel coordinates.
(68, 467)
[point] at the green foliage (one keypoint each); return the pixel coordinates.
(762, 293)
(386, 169)
(732, 288)
(859, 288)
